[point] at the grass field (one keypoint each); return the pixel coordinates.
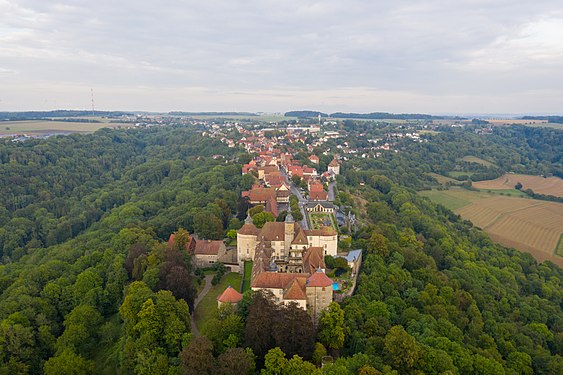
(475, 159)
(318, 220)
(540, 185)
(526, 224)
(38, 127)
(443, 180)
(208, 305)
(247, 275)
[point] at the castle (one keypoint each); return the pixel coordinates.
(289, 262)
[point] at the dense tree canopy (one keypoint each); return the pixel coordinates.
(88, 283)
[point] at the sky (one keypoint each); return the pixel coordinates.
(424, 56)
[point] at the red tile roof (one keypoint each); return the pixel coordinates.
(324, 231)
(318, 195)
(313, 259)
(275, 280)
(260, 194)
(207, 247)
(190, 245)
(295, 290)
(249, 229)
(319, 279)
(272, 231)
(230, 295)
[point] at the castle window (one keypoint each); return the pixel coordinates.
(323, 288)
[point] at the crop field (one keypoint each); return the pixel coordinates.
(38, 127)
(528, 225)
(540, 185)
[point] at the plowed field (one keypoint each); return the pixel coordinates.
(540, 185)
(528, 225)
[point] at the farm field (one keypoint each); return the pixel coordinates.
(540, 185)
(528, 225)
(38, 127)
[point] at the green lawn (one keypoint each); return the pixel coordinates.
(507, 192)
(247, 275)
(446, 198)
(208, 305)
(455, 198)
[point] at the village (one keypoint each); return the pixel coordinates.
(290, 243)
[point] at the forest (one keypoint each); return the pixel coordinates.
(89, 285)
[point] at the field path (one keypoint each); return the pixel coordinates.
(200, 296)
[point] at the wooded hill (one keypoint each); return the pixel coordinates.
(88, 285)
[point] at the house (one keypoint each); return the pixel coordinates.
(354, 259)
(334, 167)
(318, 195)
(203, 252)
(323, 207)
(317, 192)
(207, 252)
(307, 171)
(229, 297)
(314, 159)
(266, 170)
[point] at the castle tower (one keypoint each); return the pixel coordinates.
(319, 293)
(246, 241)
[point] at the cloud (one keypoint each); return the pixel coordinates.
(283, 54)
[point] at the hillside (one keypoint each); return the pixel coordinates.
(89, 284)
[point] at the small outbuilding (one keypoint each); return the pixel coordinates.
(229, 296)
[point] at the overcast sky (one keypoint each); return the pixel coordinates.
(440, 56)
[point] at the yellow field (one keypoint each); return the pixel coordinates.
(540, 185)
(42, 126)
(528, 225)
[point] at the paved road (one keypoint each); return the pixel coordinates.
(302, 201)
(200, 296)
(331, 194)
